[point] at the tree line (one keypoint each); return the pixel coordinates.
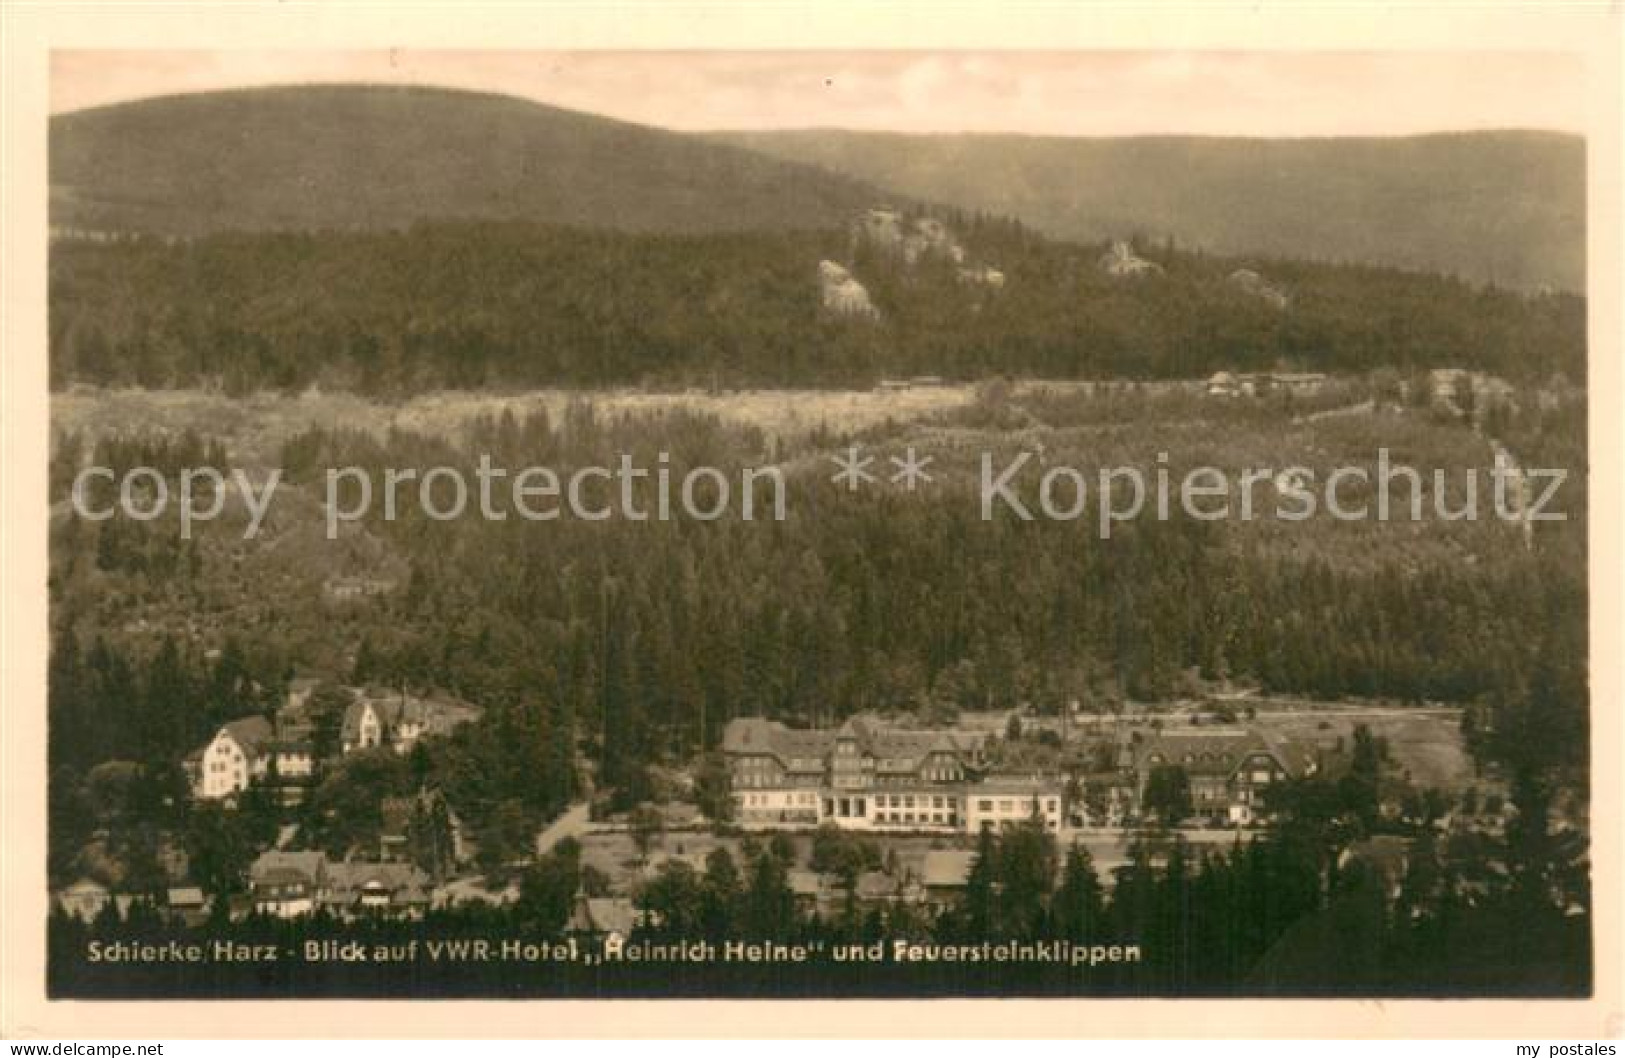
(515, 305)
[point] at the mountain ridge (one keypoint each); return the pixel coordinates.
(307, 157)
(1502, 206)
(1505, 207)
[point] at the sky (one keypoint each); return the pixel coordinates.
(1096, 93)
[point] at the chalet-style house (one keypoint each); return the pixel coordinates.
(863, 776)
(397, 720)
(293, 884)
(286, 884)
(246, 751)
(1228, 768)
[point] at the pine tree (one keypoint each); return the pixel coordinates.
(1079, 904)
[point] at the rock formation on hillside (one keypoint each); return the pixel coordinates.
(1121, 260)
(844, 295)
(909, 238)
(905, 242)
(1251, 283)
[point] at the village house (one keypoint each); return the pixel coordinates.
(246, 751)
(1228, 768)
(287, 884)
(398, 720)
(293, 884)
(355, 890)
(84, 899)
(187, 905)
(944, 875)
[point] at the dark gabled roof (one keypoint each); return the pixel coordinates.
(746, 736)
(273, 877)
(437, 716)
(895, 750)
(1218, 752)
(404, 883)
(310, 865)
(249, 732)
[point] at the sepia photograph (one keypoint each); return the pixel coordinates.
(890, 524)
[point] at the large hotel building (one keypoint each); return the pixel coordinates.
(865, 777)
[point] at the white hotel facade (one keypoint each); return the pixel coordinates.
(864, 777)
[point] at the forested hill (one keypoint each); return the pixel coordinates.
(509, 305)
(371, 157)
(1501, 207)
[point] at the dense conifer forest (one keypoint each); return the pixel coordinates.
(514, 305)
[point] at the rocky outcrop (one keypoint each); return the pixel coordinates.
(1252, 284)
(904, 241)
(842, 294)
(908, 238)
(1121, 260)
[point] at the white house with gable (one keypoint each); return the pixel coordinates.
(233, 758)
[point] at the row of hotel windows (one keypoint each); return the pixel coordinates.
(767, 800)
(950, 818)
(885, 802)
(762, 778)
(1012, 804)
(907, 801)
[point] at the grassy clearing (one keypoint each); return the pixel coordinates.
(255, 427)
